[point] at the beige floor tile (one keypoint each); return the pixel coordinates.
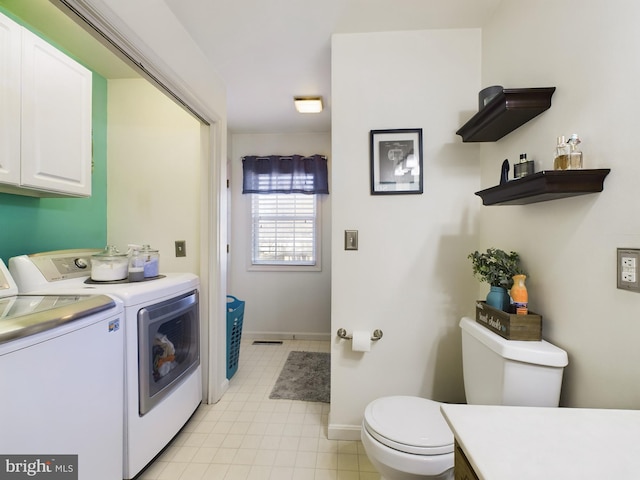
(304, 474)
(369, 476)
(172, 471)
(347, 461)
(216, 471)
(348, 475)
(238, 472)
(194, 471)
(281, 473)
(322, 474)
(247, 436)
(204, 455)
(306, 459)
(184, 454)
(285, 458)
(225, 455)
(265, 457)
(259, 472)
(327, 461)
(245, 456)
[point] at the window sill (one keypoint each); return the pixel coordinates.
(284, 268)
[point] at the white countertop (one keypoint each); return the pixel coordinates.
(529, 443)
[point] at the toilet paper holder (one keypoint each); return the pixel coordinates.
(377, 334)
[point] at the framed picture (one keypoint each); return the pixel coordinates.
(396, 161)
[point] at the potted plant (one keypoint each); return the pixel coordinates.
(497, 268)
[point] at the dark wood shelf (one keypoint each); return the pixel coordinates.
(545, 185)
(505, 112)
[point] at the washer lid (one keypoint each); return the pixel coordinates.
(25, 315)
(409, 424)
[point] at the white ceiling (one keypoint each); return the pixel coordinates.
(267, 52)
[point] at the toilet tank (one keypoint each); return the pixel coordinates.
(498, 371)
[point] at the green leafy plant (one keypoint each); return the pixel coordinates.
(496, 267)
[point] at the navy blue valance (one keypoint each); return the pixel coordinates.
(285, 174)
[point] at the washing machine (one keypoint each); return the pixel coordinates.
(163, 376)
(61, 371)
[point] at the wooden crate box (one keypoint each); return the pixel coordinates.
(509, 325)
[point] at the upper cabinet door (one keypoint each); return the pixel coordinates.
(56, 120)
(9, 101)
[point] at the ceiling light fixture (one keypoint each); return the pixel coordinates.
(308, 104)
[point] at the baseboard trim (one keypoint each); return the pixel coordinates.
(286, 336)
(344, 432)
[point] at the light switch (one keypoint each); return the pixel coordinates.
(627, 269)
(181, 248)
(350, 239)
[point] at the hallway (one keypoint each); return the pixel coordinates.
(247, 436)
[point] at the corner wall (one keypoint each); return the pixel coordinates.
(588, 50)
(153, 174)
(410, 277)
(279, 304)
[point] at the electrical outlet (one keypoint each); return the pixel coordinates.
(181, 248)
(627, 269)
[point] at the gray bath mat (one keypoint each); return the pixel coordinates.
(305, 376)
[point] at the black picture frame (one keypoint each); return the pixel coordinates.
(396, 161)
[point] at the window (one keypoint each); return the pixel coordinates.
(284, 209)
(284, 229)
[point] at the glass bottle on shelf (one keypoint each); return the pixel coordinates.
(561, 158)
(575, 155)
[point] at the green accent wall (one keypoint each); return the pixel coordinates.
(30, 225)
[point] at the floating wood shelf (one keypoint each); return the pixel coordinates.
(545, 185)
(505, 112)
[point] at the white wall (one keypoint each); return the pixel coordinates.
(588, 50)
(410, 276)
(279, 304)
(153, 173)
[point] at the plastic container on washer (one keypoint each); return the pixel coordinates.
(136, 266)
(151, 261)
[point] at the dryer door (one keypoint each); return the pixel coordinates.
(168, 347)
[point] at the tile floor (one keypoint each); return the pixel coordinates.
(247, 436)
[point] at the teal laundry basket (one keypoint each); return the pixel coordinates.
(235, 316)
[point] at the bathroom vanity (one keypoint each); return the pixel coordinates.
(531, 443)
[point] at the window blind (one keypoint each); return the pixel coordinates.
(284, 229)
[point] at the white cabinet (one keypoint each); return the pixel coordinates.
(52, 125)
(10, 46)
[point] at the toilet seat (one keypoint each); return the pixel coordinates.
(409, 424)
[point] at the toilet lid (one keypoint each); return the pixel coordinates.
(409, 424)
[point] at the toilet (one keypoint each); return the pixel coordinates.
(407, 438)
